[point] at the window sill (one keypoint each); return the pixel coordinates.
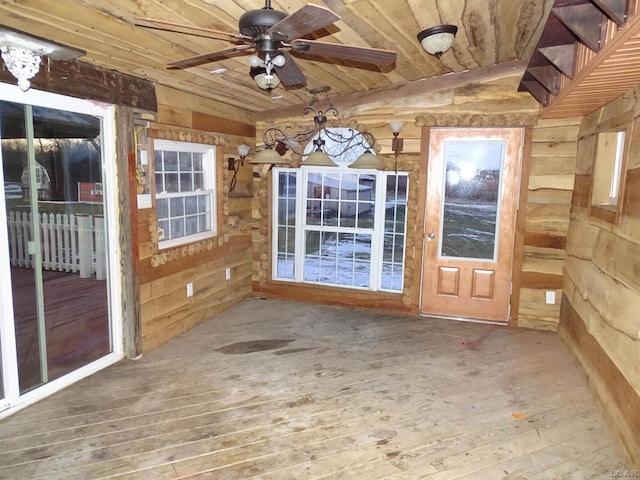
(184, 241)
(606, 213)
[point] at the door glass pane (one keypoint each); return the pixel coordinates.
(57, 242)
(470, 208)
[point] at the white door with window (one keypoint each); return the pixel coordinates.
(59, 281)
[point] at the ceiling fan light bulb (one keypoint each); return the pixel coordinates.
(278, 60)
(255, 61)
(437, 40)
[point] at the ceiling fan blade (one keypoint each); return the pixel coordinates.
(375, 56)
(290, 73)
(207, 57)
(188, 29)
(303, 21)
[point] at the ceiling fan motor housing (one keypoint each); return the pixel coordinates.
(255, 22)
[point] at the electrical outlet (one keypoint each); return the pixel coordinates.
(189, 289)
(227, 274)
(550, 297)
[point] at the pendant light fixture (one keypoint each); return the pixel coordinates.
(341, 142)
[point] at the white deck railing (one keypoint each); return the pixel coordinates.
(69, 243)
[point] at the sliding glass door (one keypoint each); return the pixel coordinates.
(59, 319)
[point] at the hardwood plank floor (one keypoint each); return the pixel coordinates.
(284, 390)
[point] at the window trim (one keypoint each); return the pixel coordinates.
(211, 178)
(611, 212)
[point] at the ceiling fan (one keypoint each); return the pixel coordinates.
(275, 35)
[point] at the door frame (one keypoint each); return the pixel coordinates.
(12, 400)
(518, 252)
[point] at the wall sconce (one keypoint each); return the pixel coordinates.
(437, 40)
(234, 164)
(397, 143)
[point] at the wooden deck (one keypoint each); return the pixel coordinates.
(281, 390)
(77, 323)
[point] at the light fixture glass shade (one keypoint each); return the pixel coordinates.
(268, 156)
(367, 161)
(319, 159)
(437, 40)
(396, 126)
(264, 81)
(243, 150)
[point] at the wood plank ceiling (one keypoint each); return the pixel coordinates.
(490, 32)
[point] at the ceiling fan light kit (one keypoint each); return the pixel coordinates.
(265, 80)
(437, 40)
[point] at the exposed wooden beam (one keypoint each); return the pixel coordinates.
(584, 20)
(82, 80)
(561, 56)
(412, 90)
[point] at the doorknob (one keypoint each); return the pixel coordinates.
(431, 236)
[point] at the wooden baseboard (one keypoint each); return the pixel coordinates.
(619, 401)
(379, 301)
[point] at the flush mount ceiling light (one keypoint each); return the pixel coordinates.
(22, 54)
(437, 40)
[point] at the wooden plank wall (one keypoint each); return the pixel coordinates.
(600, 317)
(166, 311)
(548, 202)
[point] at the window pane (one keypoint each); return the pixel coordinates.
(176, 206)
(191, 205)
(472, 186)
(365, 215)
(314, 212)
(185, 162)
(204, 222)
(191, 225)
(394, 232)
(162, 207)
(177, 227)
(163, 225)
(197, 162)
(185, 182)
(170, 161)
(159, 183)
(171, 183)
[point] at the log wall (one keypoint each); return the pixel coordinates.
(547, 183)
(166, 311)
(600, 317)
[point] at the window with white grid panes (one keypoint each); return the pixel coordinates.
(185, 191)
(350, 231)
